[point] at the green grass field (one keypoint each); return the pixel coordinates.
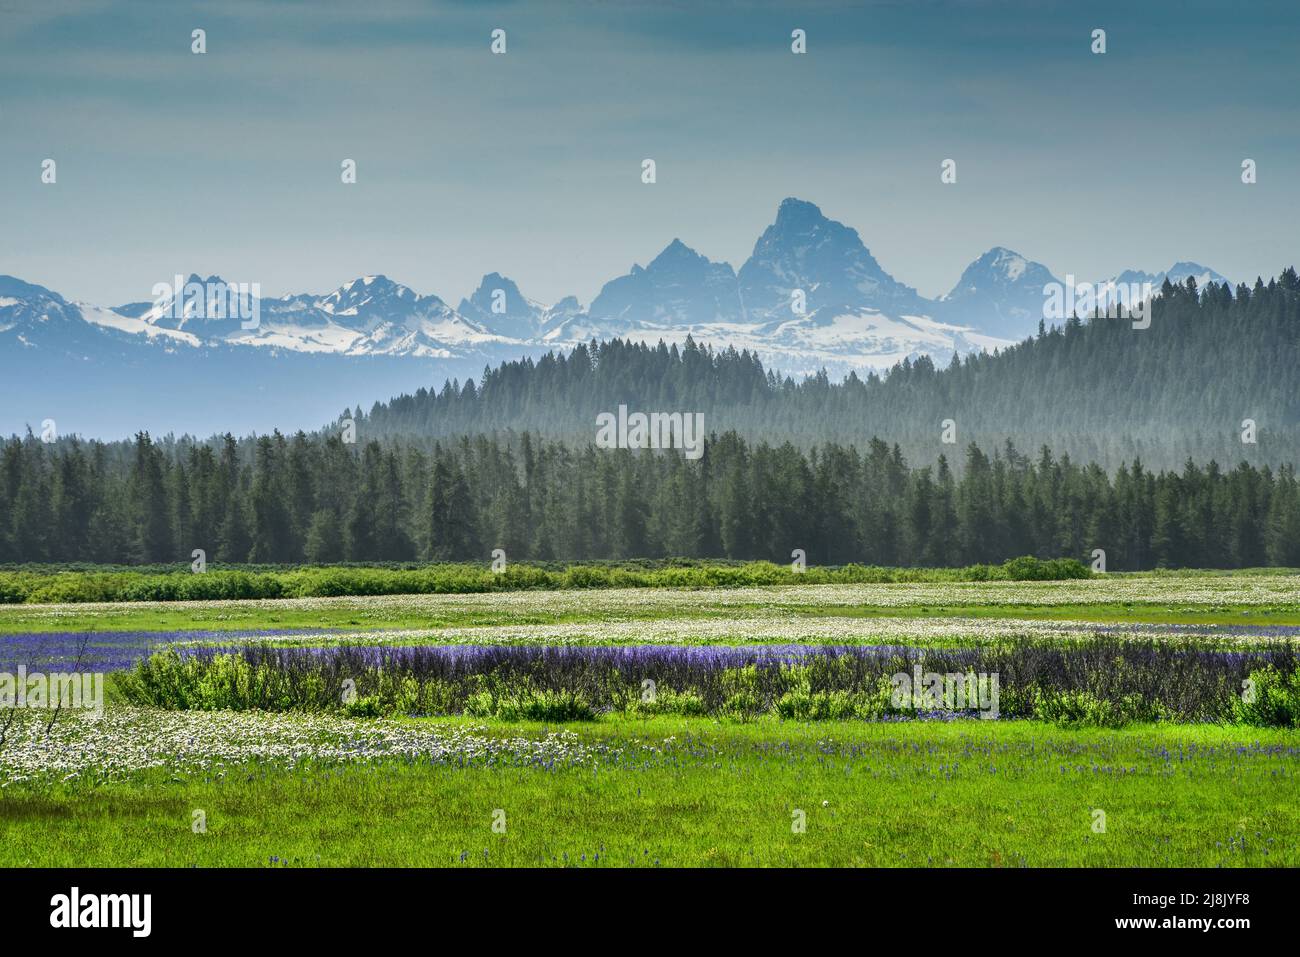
(936, 794)
(1268, 598)
(296, 789)
(234, 616)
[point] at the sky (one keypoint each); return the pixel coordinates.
(529, 163)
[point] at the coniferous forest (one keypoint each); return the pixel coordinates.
(1098, 390)
(510, 462)
(319, 499)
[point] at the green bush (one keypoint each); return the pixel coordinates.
(1270, 699)
(803, 705)
(686, 704)
(1027, 568)
(368, 707)
(742, 705)
(530, 705)
(1085, 709)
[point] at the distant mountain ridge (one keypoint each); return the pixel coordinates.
(811, 297)
(1003, 287)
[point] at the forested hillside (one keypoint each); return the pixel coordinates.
(321, 500)
(1098, 390)
(849, 472)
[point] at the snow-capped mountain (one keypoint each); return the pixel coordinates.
(36, 319)
(386, 317)
(810, 296)
(561, 312)
(812, 293)
(498, 307)
(372, 315)
(1177, 274)
(679, 288)
(826, 261)
(31, 314)
(1001, 293)
(1120, 289)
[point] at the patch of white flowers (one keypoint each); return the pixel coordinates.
(1172, 591)
(127, 740)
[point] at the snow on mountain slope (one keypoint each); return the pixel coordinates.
(1120, 289)
(372, 315)
(678, 287)
(33, 317)
(498, 307)
(1000, 293)
(553, 316)
(108, 319)
(810, 296)
(826, 260)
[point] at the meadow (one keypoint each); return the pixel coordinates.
(678, 792)
(1142, 720)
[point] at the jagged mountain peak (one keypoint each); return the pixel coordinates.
(803, 250)
(798, 214)
(1009, 262)
(674, 253)
(798, 218)
(1176, 274)
(498, 306)
(679, 286)
(1001, 267)
(493, 281)
(678, 256)
(1000, 293)
(1179, 272)
(367, 294)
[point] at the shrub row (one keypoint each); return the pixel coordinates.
(1100, 680)
(44, 587)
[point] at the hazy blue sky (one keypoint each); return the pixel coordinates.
(529, 163)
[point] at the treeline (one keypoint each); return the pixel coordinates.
(321, 500)
(1098, 390)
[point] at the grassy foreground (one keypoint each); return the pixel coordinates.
(691, 792)
(667, 791)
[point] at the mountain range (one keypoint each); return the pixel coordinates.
(810, 297)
